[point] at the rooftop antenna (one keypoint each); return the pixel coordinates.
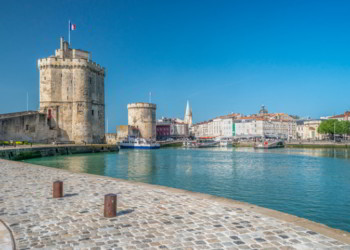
(150, 97)
(27, 101)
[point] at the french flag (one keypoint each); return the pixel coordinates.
(72, 26)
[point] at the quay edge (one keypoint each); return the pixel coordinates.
(37, 151)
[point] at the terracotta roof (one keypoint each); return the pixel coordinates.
(337, 116)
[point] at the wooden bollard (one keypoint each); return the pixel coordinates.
(57, 189)
(110, 205)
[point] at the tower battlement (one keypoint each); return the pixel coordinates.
(66, 63)
(142, 105)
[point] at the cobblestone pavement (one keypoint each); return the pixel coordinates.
(5, 238)
(149, 217)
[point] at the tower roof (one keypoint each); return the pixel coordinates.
(188, 111)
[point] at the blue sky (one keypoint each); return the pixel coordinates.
(222, 56)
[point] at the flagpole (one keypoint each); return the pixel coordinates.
(69, 33)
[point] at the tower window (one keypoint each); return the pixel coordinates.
(92, 112)
(27, 127)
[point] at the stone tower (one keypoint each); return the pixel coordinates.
(188, 115)
(143, 116)
(72, 95)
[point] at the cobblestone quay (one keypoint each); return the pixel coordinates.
(148, 216)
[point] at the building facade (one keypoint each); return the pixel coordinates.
(307, 130)
(163, 131)
(263, 124)
(171, 128)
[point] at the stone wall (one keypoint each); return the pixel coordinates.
(35, 152)
(111, 138)
(143, 117)
(29, 126)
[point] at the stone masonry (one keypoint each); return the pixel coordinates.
(148, 216)
(72, 95)
(143, 117)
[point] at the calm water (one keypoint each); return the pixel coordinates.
(313, 184)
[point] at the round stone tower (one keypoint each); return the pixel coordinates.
(143, 116)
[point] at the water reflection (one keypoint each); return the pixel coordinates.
(343, 153)
(141, 165)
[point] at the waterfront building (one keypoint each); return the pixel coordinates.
(221, 126)
(163, 131)
(72, 105)
(263, 124)
(142, 116)
(307, 130)
(171, 128)
(254, 127)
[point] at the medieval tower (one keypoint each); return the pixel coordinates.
(72, 95)
(142, 116)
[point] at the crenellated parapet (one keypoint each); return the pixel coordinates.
(143, 105)
(67, 63)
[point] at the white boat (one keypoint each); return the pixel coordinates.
(138, 143)
(207, 143)
(190, 144)
(201, 143)
(224, 142)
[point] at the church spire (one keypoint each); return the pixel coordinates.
(188, 114)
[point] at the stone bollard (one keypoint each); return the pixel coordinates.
(57, 189)
(110, 209)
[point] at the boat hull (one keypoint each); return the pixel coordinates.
(140, 147)
(155, 146)
(266, 145)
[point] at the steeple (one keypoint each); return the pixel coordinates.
(188, 115)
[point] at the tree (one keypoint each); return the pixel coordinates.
(326, 127)
(331, 126)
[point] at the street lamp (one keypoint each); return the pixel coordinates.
(334, 133)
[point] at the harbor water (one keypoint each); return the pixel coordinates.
(310, 183)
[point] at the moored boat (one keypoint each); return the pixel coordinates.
(224, 141)
(269, 144)
(138, 143)
(201, 143)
